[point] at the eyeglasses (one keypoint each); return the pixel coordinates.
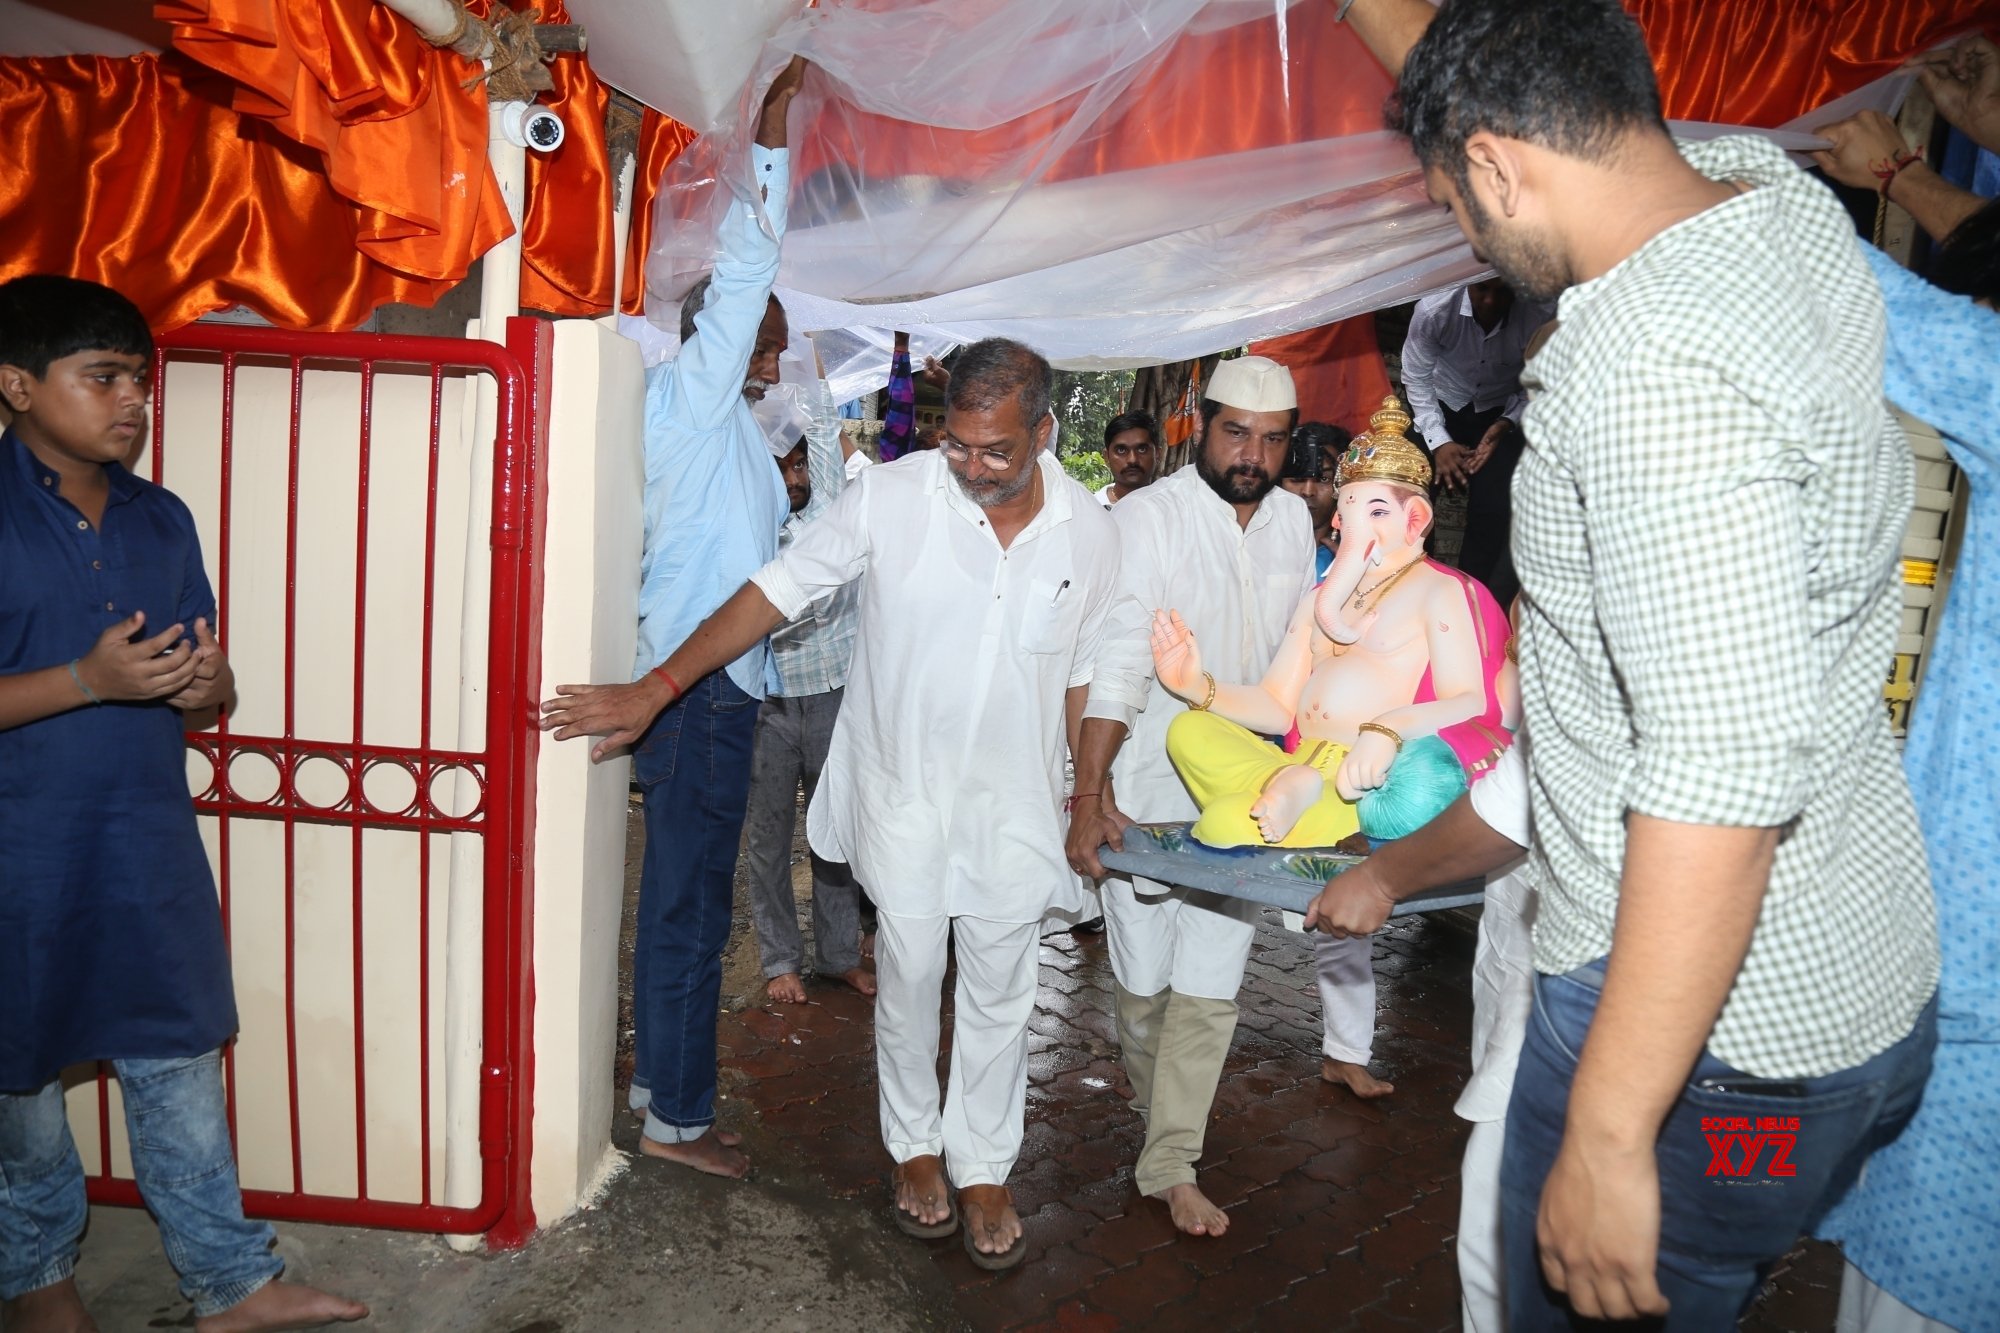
(996, 459)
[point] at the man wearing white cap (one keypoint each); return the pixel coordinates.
(1221, 543)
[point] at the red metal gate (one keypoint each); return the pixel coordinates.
(504, 768)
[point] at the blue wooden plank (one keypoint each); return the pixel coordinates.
(1283, 877)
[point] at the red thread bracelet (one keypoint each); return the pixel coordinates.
(1887, 174)
(1070, 804)
(672, 684)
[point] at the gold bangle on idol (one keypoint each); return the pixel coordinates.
(1381, 730)
(1202, 707)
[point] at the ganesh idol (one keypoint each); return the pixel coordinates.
(1391, 688)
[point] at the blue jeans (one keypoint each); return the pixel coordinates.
(693, 766)
(179, 1130)
(1725, 1214)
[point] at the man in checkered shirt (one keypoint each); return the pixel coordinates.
(1736, 948)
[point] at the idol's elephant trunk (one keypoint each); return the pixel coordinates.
(1350, 565)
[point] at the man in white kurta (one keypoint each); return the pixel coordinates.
(1219, 542)
(988, 576)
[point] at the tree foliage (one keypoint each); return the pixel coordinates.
(1084, 400)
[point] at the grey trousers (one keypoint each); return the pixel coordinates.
(790, 749)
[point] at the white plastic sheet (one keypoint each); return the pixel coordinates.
(1117, 183)
(688, 59)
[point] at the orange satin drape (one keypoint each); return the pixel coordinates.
(313, 159)
(1766, 62)
(1337, 369)
(320, 160)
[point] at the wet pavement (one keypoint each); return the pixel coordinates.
(1342, 1212)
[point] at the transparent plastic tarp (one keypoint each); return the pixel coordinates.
(1115, 183)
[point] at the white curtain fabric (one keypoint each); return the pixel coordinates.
(1034, 228)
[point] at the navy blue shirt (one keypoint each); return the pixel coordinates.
(111, 938)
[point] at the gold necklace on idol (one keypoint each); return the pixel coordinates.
(1383, 585)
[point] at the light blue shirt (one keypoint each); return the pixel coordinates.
(714, 501)
(1924, 1221)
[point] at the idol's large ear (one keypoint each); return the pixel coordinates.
(1417, 519)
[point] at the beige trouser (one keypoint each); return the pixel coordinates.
(1174, 1046)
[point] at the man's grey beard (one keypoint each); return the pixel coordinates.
(989, 494)
(761, 386)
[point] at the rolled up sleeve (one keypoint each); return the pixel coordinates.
(1702, 600)
(828, 553)
(1500, 799)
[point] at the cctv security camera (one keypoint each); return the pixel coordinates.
(531, 126)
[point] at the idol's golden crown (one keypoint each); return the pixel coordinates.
(1385, 453)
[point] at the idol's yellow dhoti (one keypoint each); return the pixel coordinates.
(1226, 768)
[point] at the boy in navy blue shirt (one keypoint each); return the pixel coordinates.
(111, 944)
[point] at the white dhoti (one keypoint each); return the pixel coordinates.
(1503, 980)
(977, 1125)
(1346, 971)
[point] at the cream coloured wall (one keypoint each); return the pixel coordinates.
(589, 633)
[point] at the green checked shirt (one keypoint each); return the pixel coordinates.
(1707, 525)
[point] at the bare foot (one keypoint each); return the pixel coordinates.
(55, 1308)
(991, 1224)
(922, 1193)
(785, 988)
(1355, 1078)
(1287, 796)
(280, 1305)
(1192, 1212)
(710, 1154)
(861, 978)
(730, 1138)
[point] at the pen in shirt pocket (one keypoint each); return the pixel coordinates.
(1060, 587)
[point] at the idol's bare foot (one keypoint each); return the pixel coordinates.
(786, 988)
(1287, 796)
(1192, 1212)
(709, 1154)
(55, 1308)
(861, 978)
(1355, 1078)
(923, 1196)
(281, 1305)
(993, 1236)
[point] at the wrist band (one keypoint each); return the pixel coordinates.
(672, 684)
(1381, 730)
(1888, 172)
(78, 678)
(1070, 804)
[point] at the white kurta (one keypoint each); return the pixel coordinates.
(943, 787)
(1236, 588)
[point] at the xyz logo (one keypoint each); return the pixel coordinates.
(1737, 1144)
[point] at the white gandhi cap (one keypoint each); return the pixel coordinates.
(1253, 383)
